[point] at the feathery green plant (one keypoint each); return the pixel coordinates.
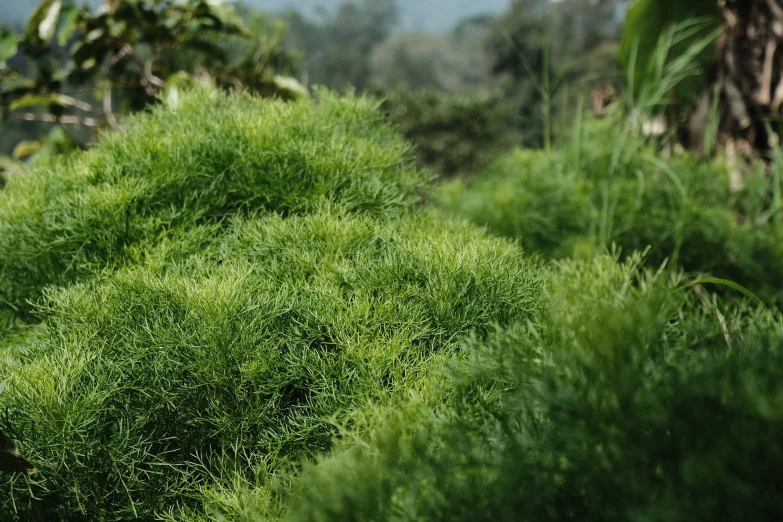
(218, 283)
(628, 401)
(684, 211)
(611, 185)
(199, 161)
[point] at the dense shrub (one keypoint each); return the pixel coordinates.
(518, 197)
(213, 338)
(228, 287)
(567, 204)
(630, 400)
(453, 134)
(205, 158)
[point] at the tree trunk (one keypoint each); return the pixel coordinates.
(750, 59)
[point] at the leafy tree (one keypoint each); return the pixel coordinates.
(456, 61)
(440, 92)
(78, 69)
(539, 47)
(338, 48)
(744, 81)
(454, 134)
(517, 38)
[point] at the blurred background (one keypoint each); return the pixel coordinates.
(465, 81)
(459, 76)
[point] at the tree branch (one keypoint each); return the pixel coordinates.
(777, 101)
(107, 108)
(73, 102)
(50, 118)
(764, 94)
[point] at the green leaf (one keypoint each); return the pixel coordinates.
(94, 34)
(647, 20)
(32, 100)
(731, 284)
(8, 44)
(223, 15)
(43, 21)
(174, 84)
(220, 11)
(12, 81)
(212, 50)
(69, 21)
(60, 73)
(171, 19)
(290, 88)
(25, 148)
(117, 28)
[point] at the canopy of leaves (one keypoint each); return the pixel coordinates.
(338, 48)
(77, 68)
(453, 134)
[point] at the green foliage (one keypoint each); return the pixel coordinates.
(219, 281)
(647, 21)
(522, 196)
(235, 309)
(8, 45)
(609, 186)
(200, 161)
(453, 62)
(516, 41)
(537, 65)
(169, 374)
(453, 134)
(123, 56)
(627, 401)
(337, 49)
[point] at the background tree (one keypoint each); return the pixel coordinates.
(516, 45)
(455, 62)
(337, 48)
(750, 55)
(77, 69)
(454, 134)
(493, 83)
(743, 67)
(538, 47)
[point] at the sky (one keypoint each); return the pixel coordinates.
(417, 15)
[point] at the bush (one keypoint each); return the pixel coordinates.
(629, 400)
(453, 134)
(200, 161)
(568, 204)
(250, 271)
(522, 197)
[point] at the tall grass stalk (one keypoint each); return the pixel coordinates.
(546, 95)
(665, 73)
(713, 124)
(577, 137)
(777, 203)
(546, 84)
